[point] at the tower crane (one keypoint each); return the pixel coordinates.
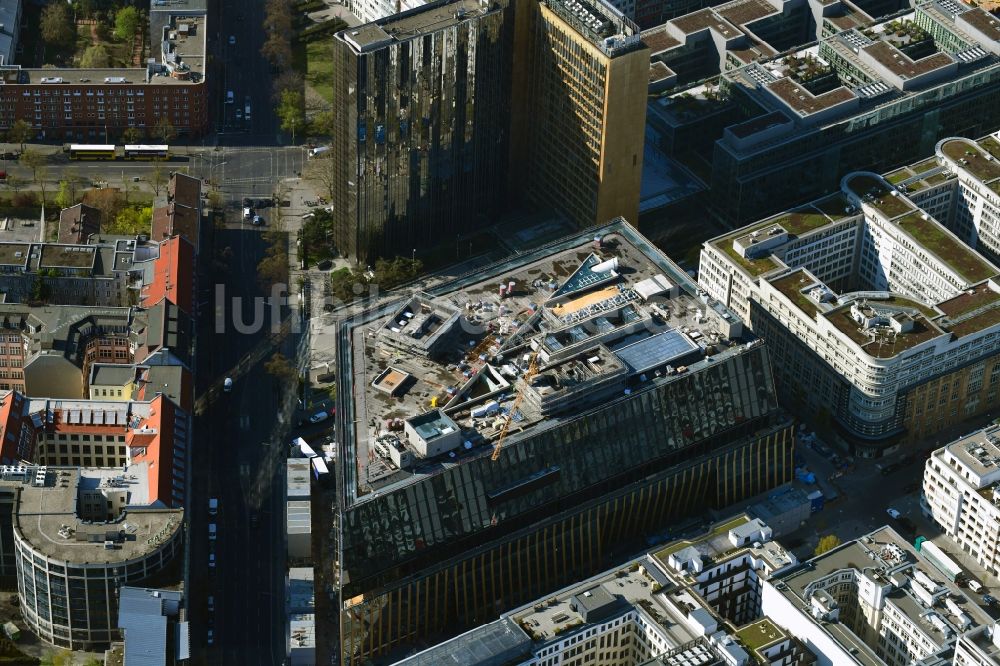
(532, 370)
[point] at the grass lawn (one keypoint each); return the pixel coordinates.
(120, 53)
(975, 161)
(934, 238)
(759, 634)
(314, 60)
(752, 266)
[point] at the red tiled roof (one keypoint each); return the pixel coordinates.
(158, 445)
(11, 422)
(173, 275)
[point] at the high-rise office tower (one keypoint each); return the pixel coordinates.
(447, 113)
(420, 142)
(581, 74)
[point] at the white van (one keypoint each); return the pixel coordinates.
(319, 150)
(227, 385)
(975, 586)
(211, 532)
(213, 506)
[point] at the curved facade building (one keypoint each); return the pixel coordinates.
(71, 562)
(880, 303)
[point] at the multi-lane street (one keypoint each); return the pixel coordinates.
(238, 460)
(241, 451)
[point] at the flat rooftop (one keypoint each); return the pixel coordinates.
(47, 517)
(413, 24)
(901, 64)
(887, 559)
(67, 256)
(14, 254)
(705, 19)
(799, 99)
(664, 600)
(742, 12)
(979, 453)
(187, 44)
(605, 319)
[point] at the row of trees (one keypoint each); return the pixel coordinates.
(347, 284)
(57, 25)
(287, 84)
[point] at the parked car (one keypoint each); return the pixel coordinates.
(893, 513)
(319, 417)
(211, 636)
(211, 560)
(232, 40)
(211, 604)
(227, 385)
(989, 600)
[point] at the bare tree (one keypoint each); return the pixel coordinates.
(321, 171)
(157, 178)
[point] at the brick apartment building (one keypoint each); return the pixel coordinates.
(97, 105)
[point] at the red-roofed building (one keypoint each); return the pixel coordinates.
(173, 275)
(17, 437)
(149, 437)
(154, 442)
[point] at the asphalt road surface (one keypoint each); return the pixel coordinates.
(245, 72)
(238, 461)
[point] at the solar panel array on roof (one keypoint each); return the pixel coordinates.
(584, 278)
(656, 351)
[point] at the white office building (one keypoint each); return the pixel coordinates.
(875, 601)
(368, 11)
(880, 303)
(960, 494)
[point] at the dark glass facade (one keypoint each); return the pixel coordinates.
(754, 185)
(463, 545)
(420, 143)
(580, 541)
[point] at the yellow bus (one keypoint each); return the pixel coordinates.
(83, 151)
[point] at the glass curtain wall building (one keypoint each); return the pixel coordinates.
(669, 409)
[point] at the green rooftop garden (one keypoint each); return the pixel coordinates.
(874, 191)
(925, 165)
(979, 322)
(833, 206)
(759, 634)
(891, 206)
(992, 146)
(802, 221)
(937, 178)
(898, 176)
(754, 267)
(672, 548)
(792, 286)
(904, 302)
(972, 158)
(948, 249)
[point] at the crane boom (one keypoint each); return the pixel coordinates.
(532, 369)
